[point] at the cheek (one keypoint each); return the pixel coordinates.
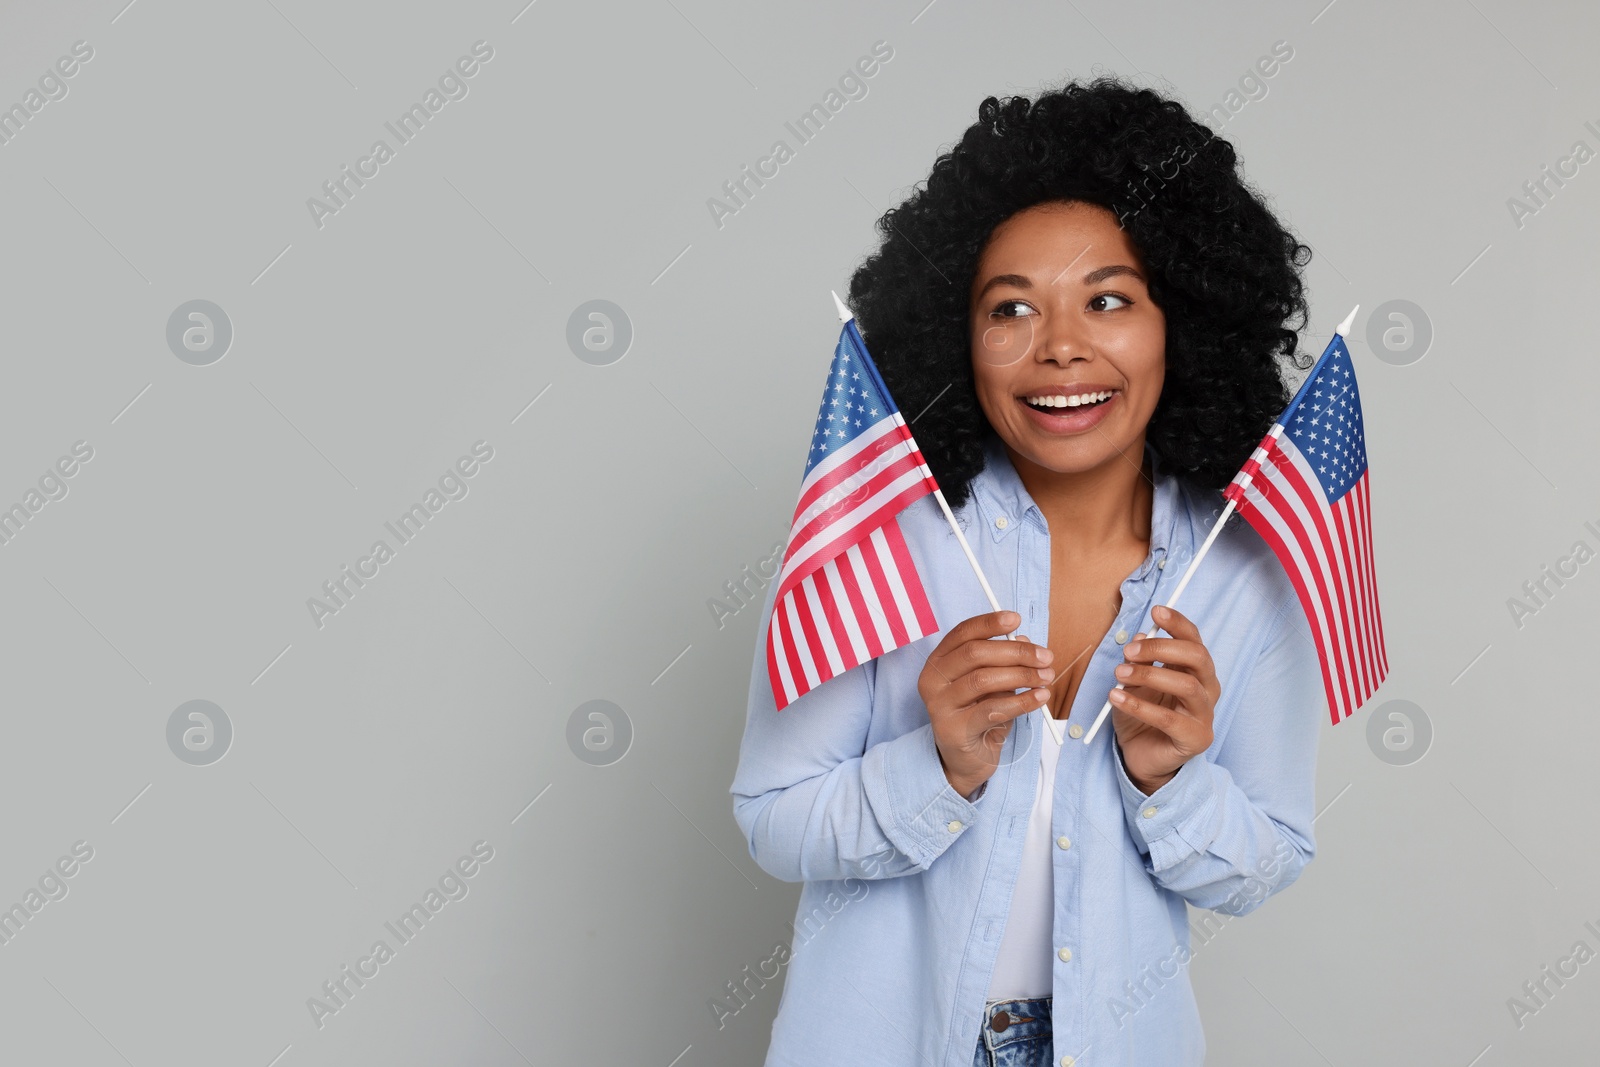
(1153, 386)
(1148, 359)
(987, 380)
(996, 390)
(985, 390)
(1157, 378)
(1000, 344)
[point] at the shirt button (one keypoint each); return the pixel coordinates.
(1075, 730)
(1064, 841)
(1002, 522)
(955, 824)
(1122, 635)
(1065, 954)
(1148, 813)
(1161, 564)
(1067, 1061)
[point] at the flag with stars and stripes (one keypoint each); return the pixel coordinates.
(849, 590)
(1307, 490)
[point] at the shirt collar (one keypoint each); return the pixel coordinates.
(1003, 502)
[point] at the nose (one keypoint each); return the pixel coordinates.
(1062, 340)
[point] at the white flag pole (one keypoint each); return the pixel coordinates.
(1055, 729)
(1277, 430)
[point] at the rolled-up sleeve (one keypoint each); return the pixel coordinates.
(1233, 826)
(815, 802)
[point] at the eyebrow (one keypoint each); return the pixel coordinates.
(1022, 281)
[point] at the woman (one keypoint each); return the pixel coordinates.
(1084, 311)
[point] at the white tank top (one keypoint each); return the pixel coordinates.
(1023, 968)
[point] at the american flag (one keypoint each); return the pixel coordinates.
(1307, 491)
(849, 590)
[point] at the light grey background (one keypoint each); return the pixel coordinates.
(432, 711)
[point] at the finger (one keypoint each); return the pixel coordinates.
(1174, 724)
(1175, 623)
(979, 627)
(1189, 690)
(1188, 657)
(1005, 708)
(983, 682)
(1173, 651)
(981, 652)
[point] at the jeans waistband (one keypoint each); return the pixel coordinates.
(1006, 1021)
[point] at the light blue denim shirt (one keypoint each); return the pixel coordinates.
(908, 883)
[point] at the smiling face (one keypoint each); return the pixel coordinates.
(1060, 310)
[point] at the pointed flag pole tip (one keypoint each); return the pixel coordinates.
(844, 312)
(1344, 327)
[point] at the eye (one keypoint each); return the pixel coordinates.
(997, 313)
(1109, 296)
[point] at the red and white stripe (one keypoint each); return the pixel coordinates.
(1327, 551)
(849, 590)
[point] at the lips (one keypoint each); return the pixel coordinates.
(1072, 394)
(1070, 420)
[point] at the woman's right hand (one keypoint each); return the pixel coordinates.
(969, 685)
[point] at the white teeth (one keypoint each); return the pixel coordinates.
(1068, 401)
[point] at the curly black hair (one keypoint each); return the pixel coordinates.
(1224, 271)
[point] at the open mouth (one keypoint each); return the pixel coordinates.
(1075, 413)
(1069, 404)
(1086, 400)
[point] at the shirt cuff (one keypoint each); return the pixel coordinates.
(1179, 819)
(919, 810)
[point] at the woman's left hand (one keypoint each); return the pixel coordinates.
(1163, 716)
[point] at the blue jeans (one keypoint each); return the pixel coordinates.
(1016, 1033)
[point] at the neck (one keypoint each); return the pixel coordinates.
(1094, 510)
